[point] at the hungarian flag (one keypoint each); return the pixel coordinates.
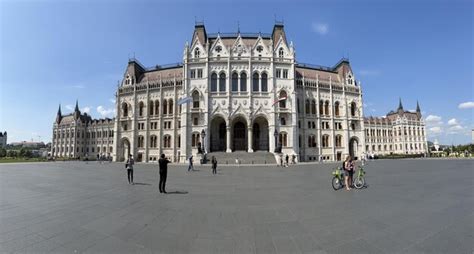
(185, 100)
(280, 99)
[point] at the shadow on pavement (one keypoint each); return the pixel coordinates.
(177, 192)
(142, 184)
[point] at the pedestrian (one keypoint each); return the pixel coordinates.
(163, 162)
(293, 159)
(190, 167)
(287, 158)
(214, 165)
(129, 167)
(281, 160)
(348, 170)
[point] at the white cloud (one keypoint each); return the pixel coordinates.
(78, 86)
(435, 130)
(112, 100)
(433, 120)
(320, 28)
(105, 112)
(455, 129)
(86, 110)
(466, 105)
(453, 122)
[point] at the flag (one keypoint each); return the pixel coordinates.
(280, 99)
(185, 100)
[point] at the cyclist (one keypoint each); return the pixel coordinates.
(348, 172)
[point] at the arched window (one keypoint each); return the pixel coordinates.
(325, 141)
(140, 141)
(195, 139)
(197, 53)
(282, 102)
(281, 53)
(153, 141)
(283, 139)
(338, 141)
(243, 82)
(124, 109)
(171, 107)
(353, 109)
(140, 108)
(255, 82)
(222, 82)
(336, 108)
(165, 107)
(311, 141)
(321, 103)
(151, 108)
(195, 99)
(235, 82)
(167, 141)
(326, 108)
(214, 82)
(157, 107)
(313, 107)
(307, 107)
(178, 141)
(264, 82)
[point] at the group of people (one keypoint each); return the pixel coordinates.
(348, 166)
(285, 160)
(163, 165)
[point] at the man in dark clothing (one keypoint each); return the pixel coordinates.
(163, 172)
(129, 167)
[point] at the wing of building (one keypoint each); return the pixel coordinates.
(231, 92)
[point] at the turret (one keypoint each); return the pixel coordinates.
(278, 30)
(418, 110)
(400, 106)
(77, 113)
(59, 115)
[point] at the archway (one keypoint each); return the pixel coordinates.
(218, 133)
(124, 149)
(353, 147)
(260, 134)
(239, 139)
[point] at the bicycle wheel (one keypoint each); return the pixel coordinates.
(359, 182)
(336, 183)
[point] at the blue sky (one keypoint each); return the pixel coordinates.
(55, 52)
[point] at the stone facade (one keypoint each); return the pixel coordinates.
(3, 139)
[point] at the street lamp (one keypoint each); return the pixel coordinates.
(275, 134)
(203, 135)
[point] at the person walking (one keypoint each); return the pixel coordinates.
(214, 165)
(163, 162)
(348, 172)
(281, 160)
(129, 167)
(190, 167)
(287, 158)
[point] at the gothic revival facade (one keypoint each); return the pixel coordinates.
(231, 92)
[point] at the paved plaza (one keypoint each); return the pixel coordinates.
(409, 206)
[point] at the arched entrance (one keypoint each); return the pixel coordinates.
(260, 134)
(218, 139)
(353, 147)
(124, 149)
(239, 139)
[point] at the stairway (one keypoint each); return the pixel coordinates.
(258, 157)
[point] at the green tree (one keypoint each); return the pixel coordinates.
(12, 153)
(3, 152)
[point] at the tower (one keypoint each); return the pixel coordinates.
(77, 113)
(58, 115)
(418, 110)
(400, 106)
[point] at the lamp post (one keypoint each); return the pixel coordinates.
(275, 134)
(203, 135)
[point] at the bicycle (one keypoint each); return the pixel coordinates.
(338, 180)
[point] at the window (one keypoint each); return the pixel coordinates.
(259, 48)
(218, 49)
(193, 74)
(298, 105)
(125, 127)
(326, 108)
(264, 82)
(281, 53)
(255, 82)
(167, 141)
(125, 110)
(307, 107)
(282, 102)
(140, 142)
(195, 121)
(197, 53)
(199, 73)
(285, 73)
(235, 82)
(195, 99)
(278, 73)
(140, 108)
(214, 82)
(157, 107)
(195, 139)
(353, 109)
(311, 141)
(338, 126)
(313, 107)
(153, 141)
(338, 141)
(243, 82)
(321, 105)
(151, 108)
(283, 121)
(178, 144)
(171, 107)
(283, 139)
(325, 141)
(165, 107)
(222, 82)
(336, 108)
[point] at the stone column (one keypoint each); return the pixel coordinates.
(250, 139)
(228, 150)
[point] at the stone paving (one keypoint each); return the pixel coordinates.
(409, 206)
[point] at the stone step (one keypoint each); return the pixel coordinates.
(258, 157)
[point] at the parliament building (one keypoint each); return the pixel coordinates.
(238, 92)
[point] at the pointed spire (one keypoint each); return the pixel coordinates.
(59, 109)
(238, 27)
(400, 106)
(77, 106)
(417, 106)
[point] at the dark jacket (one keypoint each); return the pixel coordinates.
(163, 165)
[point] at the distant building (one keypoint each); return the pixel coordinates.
(3, 139)
(28, 144)
(399, 132)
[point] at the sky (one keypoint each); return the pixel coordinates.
(56, 52)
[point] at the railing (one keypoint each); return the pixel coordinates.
(232, 35)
